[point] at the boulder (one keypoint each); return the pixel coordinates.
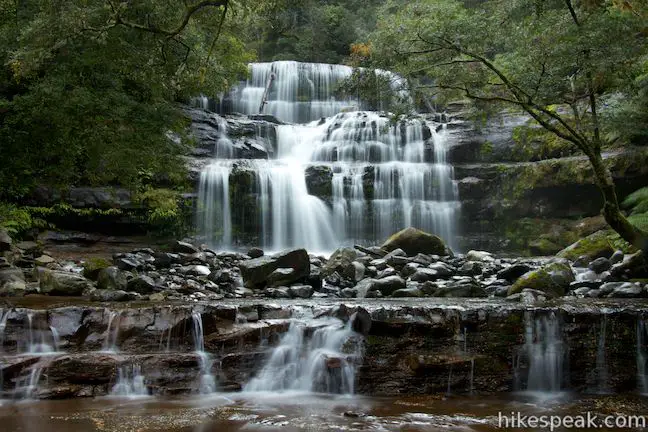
(111, 278)
(599, 265)
(414, 241)
(196, 270)
(628, 290)
(102, 295)
(594, 246)
(184, 247)
(301, 291)
(14, 288)
(474, 255)
(339, 261)
(11, 274)
(281, 277)
(553, 279)
(255, 252)
(255, 272)
(61, 283)
(424, 275)
(513, 272)
(43, 260)
(385, 285)
(361, 321)
(408, 292)
(92, 267)
(142, 284)
(460, 289)
(354, 271)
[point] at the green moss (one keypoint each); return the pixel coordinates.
(543, 247)
(538, 280)
(93, 266)
(593, 246)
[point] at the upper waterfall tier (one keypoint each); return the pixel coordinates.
(296, 92)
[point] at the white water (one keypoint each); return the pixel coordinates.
(41, 341)
(545, 352)
(601, 362)
(112, 332)
(4, 314)
(324, 362)
(130, 382)
(27, 385)
(385, 177)
(206, 380)
(642, 357)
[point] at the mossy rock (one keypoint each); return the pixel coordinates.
(593, 246)
(93, 266)
(553, 279)
(414, 241)
(543, 247)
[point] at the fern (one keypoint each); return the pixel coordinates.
(637, 201)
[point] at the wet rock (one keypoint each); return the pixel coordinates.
(102, 295)
(628, 290)
(408, 292)
(409, 269)
(442, 269)
(460, 289)
(599, 265)
(281, 277)
(474, 255)
(351, 293)
(513, 272)
(5, 240)
(184, 247)
(196, 270)
(339, 261)
(355, 271)
(142, 284)
(301, 291)
(128, 264)
(424, 275)
(61, 283)
(633, 266)
(414, 241)
(255, 272)
(593, 246)
(361, 321)
(278, 293)
(616, 257)
(255, 252)
(553, 279)
(43, 260)
(398, 261)
(471, 268)
(166, 259)
(11, 274)
(111, 278)
(387, 285)
(15, 288)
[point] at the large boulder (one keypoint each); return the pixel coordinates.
(142, 284)
(460, 289)
(339, 261)
(386, 286)
(553, 279)
(61, 283)
(414, 241)
(255, 272)
(111, 278)
(593, 246)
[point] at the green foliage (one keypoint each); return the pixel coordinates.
(17, 221)
(88, 89)
(167, 214)
(536, 143)
(637, 201)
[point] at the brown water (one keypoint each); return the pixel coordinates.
(302, 412)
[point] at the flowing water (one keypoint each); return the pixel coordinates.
(130, 382)
(544, 352)
(354, 177)
(206, 380)
(112, 332)
(313, 356)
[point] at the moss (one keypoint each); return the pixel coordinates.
(543, 247)
(593, 246)
(93, 266)
(534, 143)
(538, 280)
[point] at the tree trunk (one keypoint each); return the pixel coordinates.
(611, 209)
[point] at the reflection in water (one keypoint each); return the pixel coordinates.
(296, 411)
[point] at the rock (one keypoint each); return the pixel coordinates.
(11, 274)
(5, 240)
(350, 293)
(513, 272)
(442, 269)
(474, 255)
(255, 252)
(387, 285)
(279, 293)
(165, 259)
(101, 295)
(61, 283)
(471, 268)
(255, 272)
(43, 260)
(408, 292)
(634, 266)
(616, 257)
(355, 271)
(424, 275)
(111, 278)
(414, 241)
(281, 277)
(361, 321)
(553, 279)
(301, 291)
(93, 266)
(409, 269)
(156, 297)
(460, 289)
(599, 265)
(142, 284)
(196, 270)
(184, 247)
(628, 290)
(339, 261)
(593, 246)
(127, 264)
(29, 247)
(14, 288)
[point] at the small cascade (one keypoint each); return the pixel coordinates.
(206, 380)
(41, 341)
(4, 314)
(544, 351)
(601, 370)
(112, 332)
(130, 382)
(27, 385)
(642, 357)
(325, 362)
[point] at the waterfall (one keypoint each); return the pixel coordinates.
(544, 351)
(355, 177)
(4, 315)
(206, 380)
(112, 332)
(27, 385)
(40, 341)
(601, 363)
(325, 362)
(642, 357)
(130, 382)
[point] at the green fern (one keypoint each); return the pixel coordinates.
(637, 201)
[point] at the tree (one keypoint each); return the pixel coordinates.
(89, 89)
(560, 61)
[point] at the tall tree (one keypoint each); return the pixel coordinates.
(558, 60)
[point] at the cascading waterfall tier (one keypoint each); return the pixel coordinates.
(312, 356)
(352, 178)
